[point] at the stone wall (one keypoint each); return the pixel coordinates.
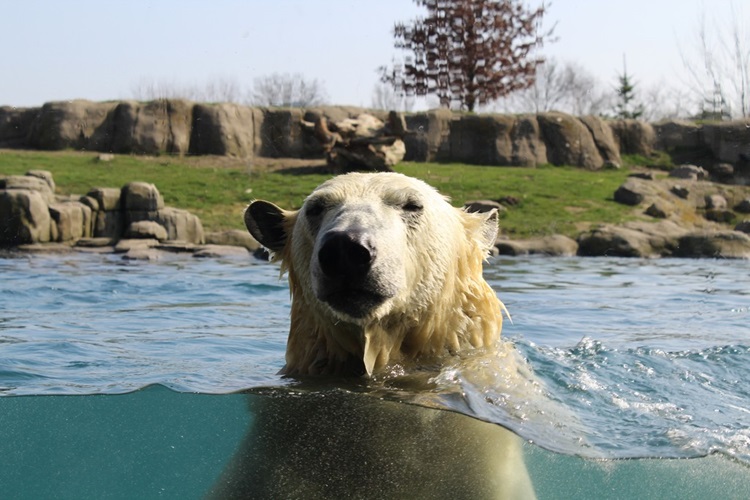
(179, 127)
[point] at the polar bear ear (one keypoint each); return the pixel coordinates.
(489, 228)
(265, 221)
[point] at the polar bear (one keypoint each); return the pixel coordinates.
(383, 272)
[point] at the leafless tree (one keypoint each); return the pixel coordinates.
(718, 68)
(468, 52)
(287, 90)
(386, 98)
(565, 87)
(216, 90)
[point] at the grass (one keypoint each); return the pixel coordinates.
(562, 200)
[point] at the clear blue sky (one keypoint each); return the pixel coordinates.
(100, 49)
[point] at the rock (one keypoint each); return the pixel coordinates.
(147, 254)
(680, 191)
(146, 229)
(125, 245)
(743, 227)
(107, 198)
(716, 202)
(95, 243)
(177, 246)
(155, 127)
(674, 135)
(181, 225)
(233, 237)
(720, 216)
(108, 224)
(56, 248)
(658, 210)
(105, 157)
(723, 171)
(528, 148)
(728, 141)
(613, 241)
(73, 220)
(482, 139)
(630, 193)
(604, 139)
(649, 176)
(568, 141)
(484, 206)
(281, 133)
(28, 183)
(429, 139)
(634, 137)
(141, 196)
(714, 244)
(45, 175)
(214, 251)
(15, 125)
(77, 124)
(555, 245)
(24, 217)
(743, 206)
(225, 129)
(690, 172)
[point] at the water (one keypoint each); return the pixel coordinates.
(627, 359)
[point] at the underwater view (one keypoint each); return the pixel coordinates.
(139, 379)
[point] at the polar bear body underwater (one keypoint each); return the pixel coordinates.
(383, 271)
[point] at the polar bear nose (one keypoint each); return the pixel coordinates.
(346, 254)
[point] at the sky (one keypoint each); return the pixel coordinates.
(102, 49)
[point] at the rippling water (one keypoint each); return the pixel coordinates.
(625, 357)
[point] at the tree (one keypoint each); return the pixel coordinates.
(565, 87)
(718, 69)
(287, 90)
(468, 52)
(627, 106)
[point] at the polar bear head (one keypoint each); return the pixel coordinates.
(382, 269)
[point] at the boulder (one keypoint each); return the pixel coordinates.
(45, 175)
(680, 191)
(714, 244)
(281, 133)
(181, 225)
(107, 198)
(428, 137)
(77, 124)
(674, 135)
(604, 139)
(659, 210)
(482, 139)
(690, 172)
(633, 191)
(743, 227)
(218, 251)
(568, 141)
(728, 141)
(146, 229)
(74, 220)
(28, 183)
(615, 241)
(554, 245)
(528, 148)
(743, 206)
(720, 216)
(634, 137)
(141, 197)
(108, 224)
(233, 237)
(15, 126)
(24, 217)
(225, 129)
(125, 245)
(155, 127)
(715, 202)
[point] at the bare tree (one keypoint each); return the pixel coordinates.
(565, 87)
(718, 68)
(468, 52)
(386, 98)
(216, 90)
(287, 90)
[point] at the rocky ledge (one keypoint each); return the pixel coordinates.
(679, 214)
(131, 220)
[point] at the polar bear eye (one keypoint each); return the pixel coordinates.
(412, 206)
(315, 208)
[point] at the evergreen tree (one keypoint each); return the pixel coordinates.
(627, 106)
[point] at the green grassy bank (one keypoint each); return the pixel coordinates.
(562, 200)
